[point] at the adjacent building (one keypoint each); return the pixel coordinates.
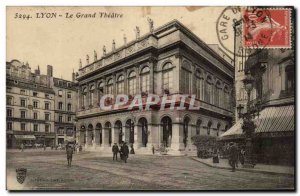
(33, 106)
(29, 106)
(65, 110)
(169, 60)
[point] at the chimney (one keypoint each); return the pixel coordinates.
(49, 70)
(37, 71)
(73, 76)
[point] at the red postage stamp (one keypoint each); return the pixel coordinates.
(267, 28)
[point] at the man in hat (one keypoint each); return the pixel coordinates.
(233, 155)
(115, 150)
(69, 154)
(125, 151)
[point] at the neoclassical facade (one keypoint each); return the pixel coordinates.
(169, 60)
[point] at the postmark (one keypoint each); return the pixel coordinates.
(263, 30)
(231, 25)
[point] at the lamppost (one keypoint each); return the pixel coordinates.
(248, 123)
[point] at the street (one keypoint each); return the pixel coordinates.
(93, 171)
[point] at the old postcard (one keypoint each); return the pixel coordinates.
(150, 98)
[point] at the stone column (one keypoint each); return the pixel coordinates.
(154, 135)
(86, 138)
(114, 135)
(150, 139)
(152, 64)
(177, 136)
(105, 137)
(176, 73)
(94, 138)
(137, 71)
(137, 142)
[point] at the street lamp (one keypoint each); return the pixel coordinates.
(248, 124)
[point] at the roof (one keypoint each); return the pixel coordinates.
(272, 120)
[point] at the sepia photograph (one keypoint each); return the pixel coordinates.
(155, 98)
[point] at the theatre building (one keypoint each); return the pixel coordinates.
(169, 60)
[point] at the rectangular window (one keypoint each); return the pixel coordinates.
(9, 125)
(47, 96)
(35, 94)
(69, 118)
(69, 95)
(35, 127)
(69, 107)
(23, 127)
(35, 115)
(35, 104)
(60, 118)
(60, 105)
(23, 103)
(9, 101)
(47, 128)
(47, 106)
(9, 112)
(22, 92)
(60, 93)
(23, 114)
(47, 116)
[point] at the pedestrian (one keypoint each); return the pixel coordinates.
(242, 156)
(69, 155)
(22, 147)
(132, 149)
(215, 156)
(115, 150)
(233, 153)
(153, 149)
(125, 151)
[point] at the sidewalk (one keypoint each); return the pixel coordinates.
(258, 168)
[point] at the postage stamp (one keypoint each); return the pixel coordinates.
(269, 28)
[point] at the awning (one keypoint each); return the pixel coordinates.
(234, 132)
(25, 137)
(70, 139)
(276, 119)
(272, 121)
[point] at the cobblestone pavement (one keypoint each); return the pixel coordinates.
(90, 171)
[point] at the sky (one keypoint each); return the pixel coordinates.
(61, 41)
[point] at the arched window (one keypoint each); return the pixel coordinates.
(145, 79)
(167, 77)
(208, 127)
(218, 129)
(186, 78)
(209, 90)
(198, 127)
(84, 91)
(92, 89)
(198, 84)
(100, 91)
(186, 122)
(120, 84)
(132, 83)
(226, 98)
(218, 92)
(110, 86)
